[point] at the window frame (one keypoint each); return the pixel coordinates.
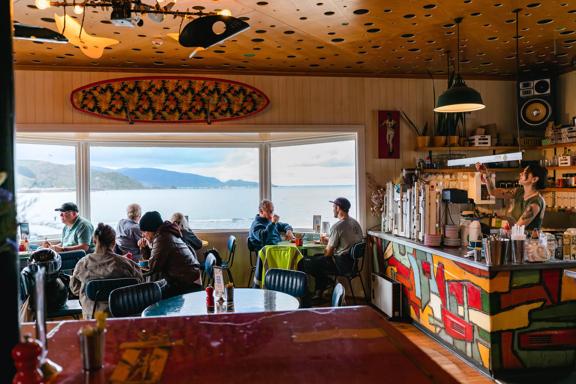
(329, 134)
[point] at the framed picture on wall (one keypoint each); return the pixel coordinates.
(389, 134)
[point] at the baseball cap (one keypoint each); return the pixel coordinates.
(342, 202)
(68, 207)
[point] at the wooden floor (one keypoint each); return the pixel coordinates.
(449, 361)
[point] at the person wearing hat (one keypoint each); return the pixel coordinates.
(343, 235)
(169, 256)
(77, 232)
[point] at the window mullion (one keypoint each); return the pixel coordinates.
(265, 173)
(83, 178)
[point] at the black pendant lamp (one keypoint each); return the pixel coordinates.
(460, 97)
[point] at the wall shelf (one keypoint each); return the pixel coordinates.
(457, 170)
(558, 189)
(570, 168)
(558, 145)
(491, 148)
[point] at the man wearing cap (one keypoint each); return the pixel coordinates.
(77, 232)
(170, 258)
(343, 235)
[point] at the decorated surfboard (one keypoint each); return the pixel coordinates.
(169, 99)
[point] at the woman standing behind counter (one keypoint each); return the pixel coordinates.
(527, 206)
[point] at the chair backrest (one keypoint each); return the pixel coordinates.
(209, 263)
(338, 295)
(70, 258)
(357, 253)
(294, 283)
(231, 246)
(99, 289)
(252, 252)
(132, 300)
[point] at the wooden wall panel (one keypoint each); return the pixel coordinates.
(43, 98)
(566, 97)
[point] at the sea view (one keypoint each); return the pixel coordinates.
(207, 208)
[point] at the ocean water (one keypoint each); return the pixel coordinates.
(210, 208)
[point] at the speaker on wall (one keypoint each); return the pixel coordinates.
(536, 103)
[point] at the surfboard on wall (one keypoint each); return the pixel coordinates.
(169, 99)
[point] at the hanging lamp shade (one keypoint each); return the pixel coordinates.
(459, 98)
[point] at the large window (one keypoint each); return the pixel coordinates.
(216, 180)
(214, 187)
(305, 177)
(45, 178)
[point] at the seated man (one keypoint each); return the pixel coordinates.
(266, 227)
(189, 237)
(128, 232)
(343, 235)
(170, 257)
(77, 232)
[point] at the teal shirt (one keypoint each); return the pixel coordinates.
(81, 232)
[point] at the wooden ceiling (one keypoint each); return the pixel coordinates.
(325, 37)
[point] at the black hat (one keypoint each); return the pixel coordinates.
(151, 221)
(67, 207)
(343, 203)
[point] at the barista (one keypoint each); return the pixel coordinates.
(527, 206)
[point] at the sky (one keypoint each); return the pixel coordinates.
(310, 164)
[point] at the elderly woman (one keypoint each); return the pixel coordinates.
(187, 235)
(102, 264)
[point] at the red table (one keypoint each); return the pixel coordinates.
(342, 345)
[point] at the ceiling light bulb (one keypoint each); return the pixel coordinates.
(225, 12)
(42, 4)
(78, 9)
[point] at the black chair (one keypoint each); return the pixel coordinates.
(253, 256)
(99, 290)
(132, 300)
(338, 295)
(71, 307)
(69, 260)
(208, 270)
(294, 283)
(354, 268)
(227, 264)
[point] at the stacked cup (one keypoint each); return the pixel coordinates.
(432, 240)
(451, 235)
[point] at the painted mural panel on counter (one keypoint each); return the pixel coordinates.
(499, 320)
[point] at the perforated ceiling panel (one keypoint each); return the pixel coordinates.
(335, 37)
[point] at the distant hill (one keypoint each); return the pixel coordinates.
(45, 175)
(160, 178)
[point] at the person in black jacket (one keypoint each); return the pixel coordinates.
(169, 256)
(187, 235)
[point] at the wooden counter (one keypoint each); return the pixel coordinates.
(505, 319)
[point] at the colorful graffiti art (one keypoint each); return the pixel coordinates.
(501, 321)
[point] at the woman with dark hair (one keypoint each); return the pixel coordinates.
(527, 204)
(102, 264)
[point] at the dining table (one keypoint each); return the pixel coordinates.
(245, 300)
(320, 345)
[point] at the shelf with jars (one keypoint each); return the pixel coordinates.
(478, 148)
(471, 169)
